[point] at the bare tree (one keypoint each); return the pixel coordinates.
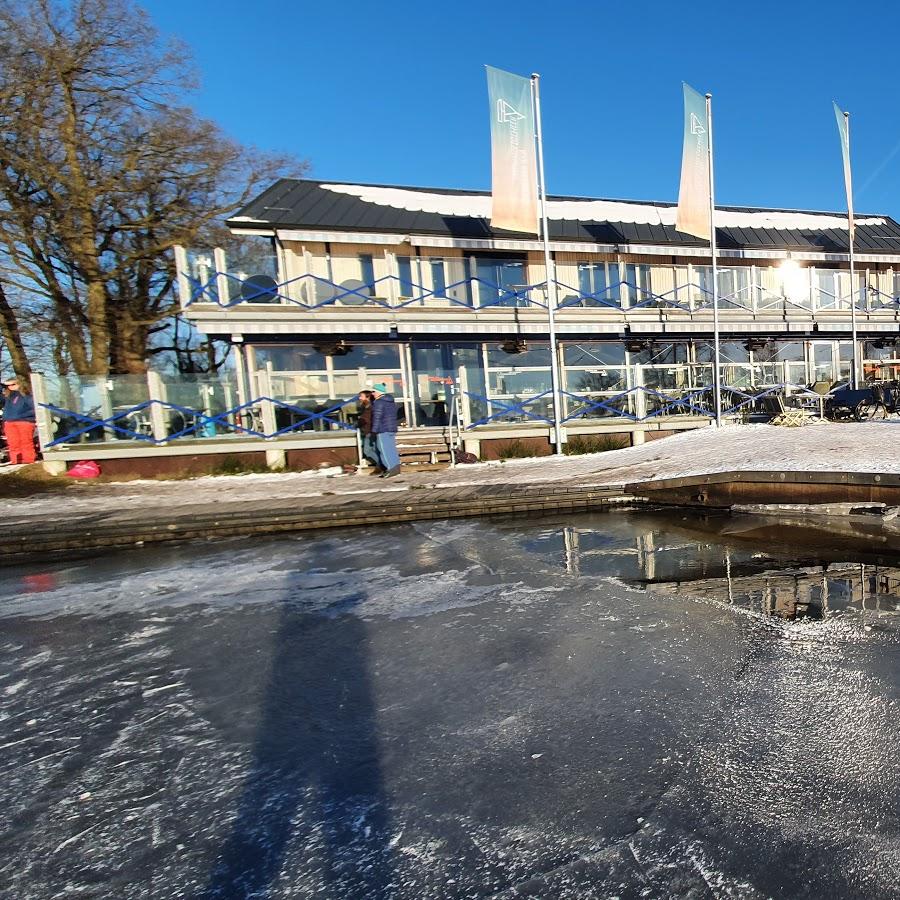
(102, 170)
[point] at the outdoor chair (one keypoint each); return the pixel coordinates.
(788, 416)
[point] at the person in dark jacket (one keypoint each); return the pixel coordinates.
(384, 427)
(369, 446)
(18, 423)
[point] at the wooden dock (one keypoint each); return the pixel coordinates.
(107, 530)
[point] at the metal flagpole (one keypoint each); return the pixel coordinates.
(854, 380)
(551, 281)
(717, 381)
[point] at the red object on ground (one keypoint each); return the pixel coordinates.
(20, 441)
(85, 468)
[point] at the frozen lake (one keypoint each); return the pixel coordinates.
(625, 704)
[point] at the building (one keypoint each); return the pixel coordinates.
(330, 287)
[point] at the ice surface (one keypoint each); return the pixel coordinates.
(452, 710)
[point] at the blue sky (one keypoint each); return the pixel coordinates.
(395, 93)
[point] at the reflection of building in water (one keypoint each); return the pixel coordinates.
(704, 570)
(810, 592)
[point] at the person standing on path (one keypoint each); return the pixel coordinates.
(384, 427)
(18, 423)
(369, 446)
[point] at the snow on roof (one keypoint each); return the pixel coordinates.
(479, 206)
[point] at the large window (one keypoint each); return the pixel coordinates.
(595, 373)
(501, 282)
(733, 284)
(599, 284)
(516, 378)
(637, 284)
(833, 289)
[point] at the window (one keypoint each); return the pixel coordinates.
(827, 288)
(438, 278)
(607, 353)
(367, 271)
(501, 282)
(404, 270)
(598, 284)
(638, 279)
(734, 287)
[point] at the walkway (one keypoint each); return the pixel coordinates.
(97, 516)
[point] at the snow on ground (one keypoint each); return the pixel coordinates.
(865, 447)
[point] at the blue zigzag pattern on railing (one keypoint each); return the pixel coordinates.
(695, 401)
(689, 297)
(199, 421)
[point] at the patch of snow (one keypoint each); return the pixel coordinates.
(867, 447)
(479, 206)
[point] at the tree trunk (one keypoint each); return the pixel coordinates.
(128, 348)
(9, 329)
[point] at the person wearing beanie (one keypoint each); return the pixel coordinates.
(18, 423)
(384, 427)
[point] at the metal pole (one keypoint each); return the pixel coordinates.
(717, 381)
(854, 378)
(548, 262)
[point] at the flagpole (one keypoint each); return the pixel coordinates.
(717, 381)
(551, 281)
(854, 380)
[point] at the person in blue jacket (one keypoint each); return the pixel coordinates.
(18, 422)
(384, 427)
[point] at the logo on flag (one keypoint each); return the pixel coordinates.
(696, 127)
(507, 113)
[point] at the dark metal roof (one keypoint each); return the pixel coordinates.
(305, 204)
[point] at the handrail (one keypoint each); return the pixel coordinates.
(380, 291)
(199, 420)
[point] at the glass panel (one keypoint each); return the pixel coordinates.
(826, 289)
(289, 357)
(308, 393)
(658, 353)
(404, 270)
(367, 272)
(113, 398)
(201, 273)
(638, 288)
(702, 288)
(729, 352)
(587, 381)
(370, 356)
(194, 397)
(438, 278)
(585, 282)
(606, 353)
(613, 287)
(251, 266)
(734, 287)
(431, 364)
(504, 279)
(823, 362)
(665, 378)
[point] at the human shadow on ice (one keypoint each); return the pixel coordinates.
(312, 813)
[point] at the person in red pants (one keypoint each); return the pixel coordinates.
(18, 423)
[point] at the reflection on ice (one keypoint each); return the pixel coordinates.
(574, 708)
